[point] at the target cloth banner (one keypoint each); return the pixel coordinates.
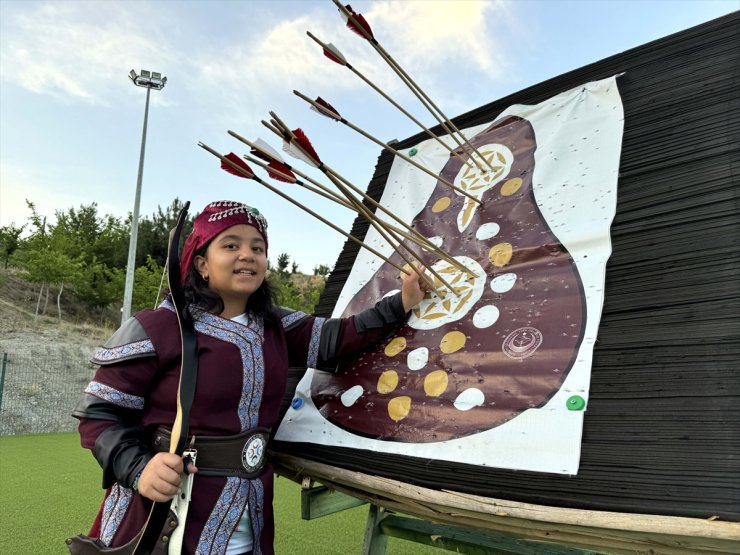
(494, 371)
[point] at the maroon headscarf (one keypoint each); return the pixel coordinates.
(215, 218)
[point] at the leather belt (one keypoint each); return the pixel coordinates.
(241, 455)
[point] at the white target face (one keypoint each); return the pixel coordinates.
(443, 305)
(483, 369)
(479, 177)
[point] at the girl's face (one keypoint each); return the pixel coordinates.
(235, 264)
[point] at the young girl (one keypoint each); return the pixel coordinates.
(245, 346)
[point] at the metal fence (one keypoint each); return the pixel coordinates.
(39, 392)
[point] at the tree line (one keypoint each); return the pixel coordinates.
(85, 254)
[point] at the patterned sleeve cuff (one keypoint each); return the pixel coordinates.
(313, 347)
(290, 319)
(109, 355)
(112, 395)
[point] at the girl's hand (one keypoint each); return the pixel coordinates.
(160, 479)
(413, 289)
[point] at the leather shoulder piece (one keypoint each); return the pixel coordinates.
(95, 408)
(387, 311)
(290, 318)
(130, 341)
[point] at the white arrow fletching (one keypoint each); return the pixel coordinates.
(335, 52)
(295, 152)
(266, 148)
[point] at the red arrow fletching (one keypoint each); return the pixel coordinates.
(239, 162)
(302, 140)
(326, 109)
(282, 168)
(333, 53)
(357, 20)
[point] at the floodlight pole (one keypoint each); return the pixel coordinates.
(146, 81)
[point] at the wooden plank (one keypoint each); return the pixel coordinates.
(470, 542)
(321, 501)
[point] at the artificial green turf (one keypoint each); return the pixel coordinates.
(50, 490)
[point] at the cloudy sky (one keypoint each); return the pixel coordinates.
(71, 121)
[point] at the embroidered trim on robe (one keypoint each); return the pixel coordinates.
(115, 396)
(291, 318)
(231, 503)
(116, 505)
(106, 355)
(313, 347)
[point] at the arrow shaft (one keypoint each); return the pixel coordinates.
(412, 118)
(371, 218)
(330, 195)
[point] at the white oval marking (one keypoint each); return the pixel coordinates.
(503, 283)
(486, 231)
(469, 398)
(418, 358)
(436, 241)
(485, 316)
(350, 396)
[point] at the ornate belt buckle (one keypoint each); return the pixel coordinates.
(253, 453)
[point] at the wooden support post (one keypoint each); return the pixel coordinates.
(376, 541)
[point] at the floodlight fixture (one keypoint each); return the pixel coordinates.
(148, 79)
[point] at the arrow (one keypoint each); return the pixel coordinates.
(304, 146)
(327, 110)
(357, 23)
(413, 235)
(331, 52)
(288, 176)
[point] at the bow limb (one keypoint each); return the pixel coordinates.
(186, 389)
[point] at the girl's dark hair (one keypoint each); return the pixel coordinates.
(197, 292)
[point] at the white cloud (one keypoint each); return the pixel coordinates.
(431, 34)
(81, 50)
(434, 42)
(247, 78)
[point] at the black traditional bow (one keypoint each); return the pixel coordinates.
(186, 389)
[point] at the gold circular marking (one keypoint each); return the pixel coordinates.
(435, 383)
(452, 342)
(500, 254)
(399, 407)
(396, 345)
(441, 204)
(388, 381)
(511, 186)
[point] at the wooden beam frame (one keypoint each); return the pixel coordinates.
(600, 531)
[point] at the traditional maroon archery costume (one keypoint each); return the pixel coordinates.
(240, 385)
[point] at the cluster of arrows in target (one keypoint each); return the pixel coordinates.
(297, 144)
